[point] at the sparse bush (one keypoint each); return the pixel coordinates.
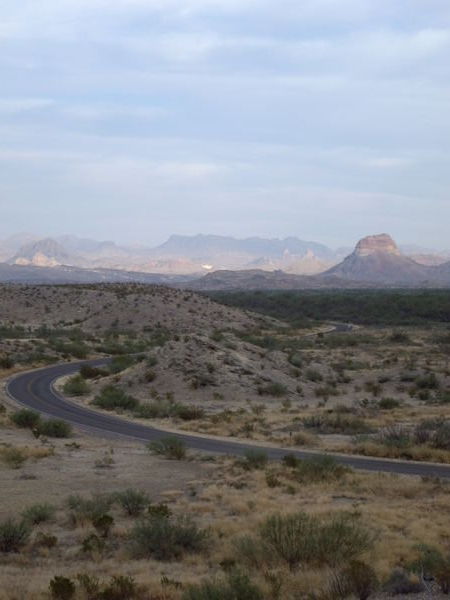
(313, 375)
(13, 535)
(120, 363)
(103, 524)
(274, 389)
(121, 587)
(170, 447)
(62, 588)
(165, 538)
(320, 468)
(303, 539)
(90, 509)
(76, 386)
(25, 418)
(133, 501)
(6, 362)
(237, 586)
(151, 361)
(38, 513)
(14, 458)
(150, 375)
(389, 403)
(92, 544)
(427, 382)
(159, 510)
(88, 372)
(112, 397)
(357, 578)
(254, 459)
(336, 423)
(401, 582)
(56, 428)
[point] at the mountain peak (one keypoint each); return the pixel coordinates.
(373, 244)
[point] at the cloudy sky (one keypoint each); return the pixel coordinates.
(135, 119)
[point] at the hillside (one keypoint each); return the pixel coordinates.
(377, 259)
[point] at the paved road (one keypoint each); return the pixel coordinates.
(35, 390)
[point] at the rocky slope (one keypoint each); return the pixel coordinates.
(377, 259)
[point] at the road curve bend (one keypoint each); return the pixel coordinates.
(34, 390)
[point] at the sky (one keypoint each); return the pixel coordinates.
(135, 119)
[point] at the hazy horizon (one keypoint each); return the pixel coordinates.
(123, 243)
(320, 119)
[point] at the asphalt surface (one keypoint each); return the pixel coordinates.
(34, 390)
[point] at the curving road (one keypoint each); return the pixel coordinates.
(34, 390)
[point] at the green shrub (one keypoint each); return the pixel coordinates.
(6, 362)
(187, 412)
(92, 544)
(56, 428)
(25, 418)
(133, 501)
(303, 539)
(389, 403)
(76, 386)
(159, 510)
(14, 458)
(62, 588)
(427, 382)
(237, 586)
(273, 389)
(314, 375)
(13, 535)
(151, 361)
(121, 587)
(112, 397)
(336, 423)
(44, 540)
(103, 524)
(170, 447)
(166, 538)
(90, 509)
(401, 582)
(88, 372)
(356, 579)
(320, 468)
(254, 459)
(120, 363)
(38, 513)
(291, 537)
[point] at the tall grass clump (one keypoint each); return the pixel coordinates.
(166, 538)
(13, 535)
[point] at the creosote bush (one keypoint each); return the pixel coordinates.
(318, 469)
(112, 397)
(301, 539)
(236, 586)
(56, 428)
(254, 459)
(133, 501)
(170, 447)
(76, 386)
(38, 513)
(166, 538)
(62, 588)
(13, 535)
(25, 418)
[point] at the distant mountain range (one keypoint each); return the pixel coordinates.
(194, 255)
(376, 261)
(220, 262)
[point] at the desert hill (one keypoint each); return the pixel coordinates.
(377, 259)
(130, 307)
